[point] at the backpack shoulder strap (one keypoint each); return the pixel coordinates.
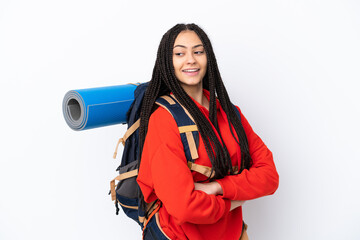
(188, 130)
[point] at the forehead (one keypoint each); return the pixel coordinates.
(187, 38)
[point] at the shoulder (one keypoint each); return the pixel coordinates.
(162, 125)
(161, 116)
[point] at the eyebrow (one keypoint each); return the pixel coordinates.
(199, 45)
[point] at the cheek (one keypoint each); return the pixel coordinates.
(204, 62)
(177, 69)
(205, 65)
(176, 65)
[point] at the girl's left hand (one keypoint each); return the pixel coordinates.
(211, 188)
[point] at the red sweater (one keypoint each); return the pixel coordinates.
(190, 214)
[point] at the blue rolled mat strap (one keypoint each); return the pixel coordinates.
(97, 107)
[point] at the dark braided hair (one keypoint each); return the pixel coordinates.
(164, 81)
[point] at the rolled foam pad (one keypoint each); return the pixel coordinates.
(97, 107)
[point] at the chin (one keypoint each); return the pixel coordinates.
(191, 83)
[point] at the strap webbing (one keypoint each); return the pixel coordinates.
(168, 99)
(192, 145)
(126, 175)
(141, 219)
(201, 169)
(157, 207)
(117, 146)
(127, 206)
(131, 130)
(189, 128)
(127, 134)
(112, 190)
(120, 177)
(150, 207)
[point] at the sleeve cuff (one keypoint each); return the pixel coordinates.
(228, 189)
(227, 206)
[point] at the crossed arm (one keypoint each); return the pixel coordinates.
(214, 188)
(260, 180)
(200, 203)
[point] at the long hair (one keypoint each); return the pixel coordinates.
(164, 81)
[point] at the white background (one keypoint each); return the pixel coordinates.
(292, 67)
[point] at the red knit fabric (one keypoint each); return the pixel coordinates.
(190, 214)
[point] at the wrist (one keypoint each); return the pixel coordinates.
(218, 188)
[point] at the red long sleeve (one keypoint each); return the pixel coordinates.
(260, 180)
(172, 180)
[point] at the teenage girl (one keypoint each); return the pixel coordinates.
(192, 205)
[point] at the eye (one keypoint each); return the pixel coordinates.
(179, 54)
(199, 52)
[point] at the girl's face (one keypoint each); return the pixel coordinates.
(189, 59)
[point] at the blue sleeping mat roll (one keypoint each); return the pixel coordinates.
(97, 107)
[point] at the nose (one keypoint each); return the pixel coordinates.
(190, 58)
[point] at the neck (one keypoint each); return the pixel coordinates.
(196, 92)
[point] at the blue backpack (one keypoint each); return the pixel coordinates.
(126, 192)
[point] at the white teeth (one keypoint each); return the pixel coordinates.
(191, 70)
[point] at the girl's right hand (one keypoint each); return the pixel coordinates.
(211, 188)
(236, 203)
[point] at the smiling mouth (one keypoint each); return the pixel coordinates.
(191, 70)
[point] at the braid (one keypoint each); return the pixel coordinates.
(214, 78)
(164, 81)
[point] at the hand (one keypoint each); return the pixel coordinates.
(214, 188)
(236, 204)
(211, 188)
